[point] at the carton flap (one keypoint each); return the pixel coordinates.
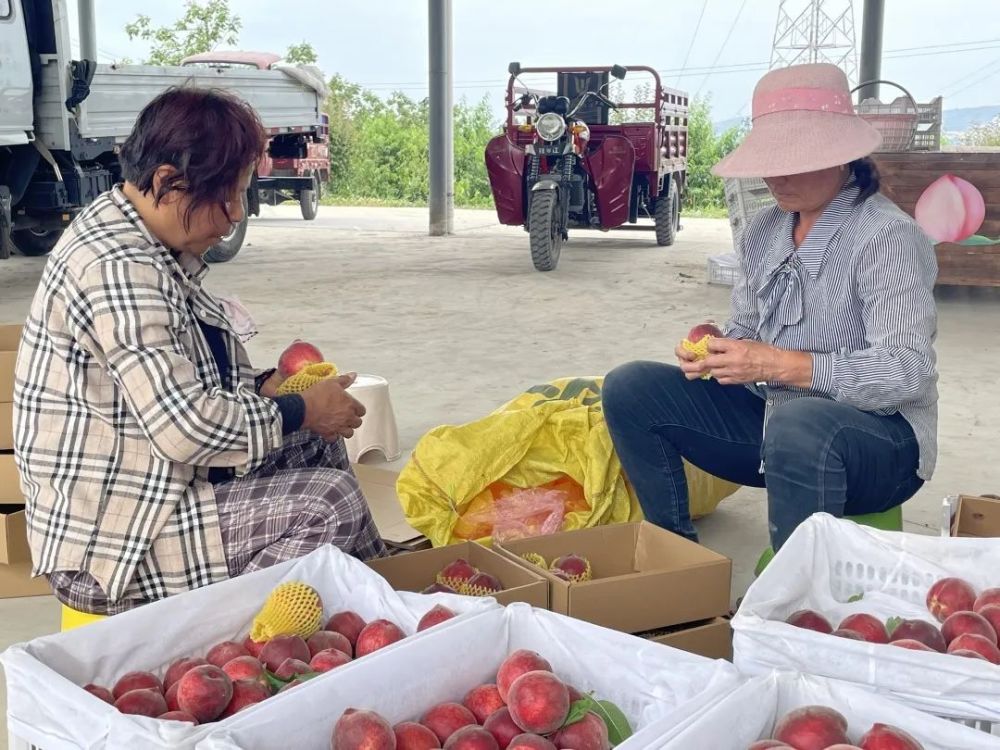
(977, 517)
(13, 535)
(10, 337)
(6, 426)
(10, 480)
(379, 488)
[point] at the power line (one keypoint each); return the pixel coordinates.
(732, 27)
(694, 36)
(988, 72)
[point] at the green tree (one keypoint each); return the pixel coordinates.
(705, 148)
(985, 135)
(203, 27)
(302, 53)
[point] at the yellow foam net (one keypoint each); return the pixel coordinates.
(307, 377)
(700, 350)
(293, 608)
(551, 437)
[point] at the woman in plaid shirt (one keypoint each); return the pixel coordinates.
(153, 457)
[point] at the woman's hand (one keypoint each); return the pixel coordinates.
(692, 367)
(269, 388)
(331, 412)
(740, 361)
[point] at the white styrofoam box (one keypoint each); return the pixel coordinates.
(827, 561)
(45, 705)
(657, 687)
(751, 711)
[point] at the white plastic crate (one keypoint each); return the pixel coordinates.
(826, 562)
(750, 712)
(47, 708)
(745, 198)
(723, 270)
(656, 687)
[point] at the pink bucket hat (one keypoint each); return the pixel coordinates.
(803, 121)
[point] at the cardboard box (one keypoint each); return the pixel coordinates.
(10, 338)
(13, 535)
(643, 576)
(379, 488)
(16, 580)
(6, 427)
(977, 517)
(712, 638)
(10, 480)
(415, 571)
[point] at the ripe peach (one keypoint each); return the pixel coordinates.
(868, 627)
(967, 622)
(284, 647)
(810, 620)
(842, 746)
(471, 738)
(985, 599)
(769, 745)
(967, 654)
(482, 584)
(100, 692)
(245, 668)
(291, 667)
(297, 355)
(812, 728)
(483, 701)
(911, 644)
(377, 634)
(322, 640)
(245, 693)
(456, 574)
(177, 669)
(538, 702)
(223, 653)
(348, 624)
(575, 566)
(702, 330)
(363, 730)
(329, 659)
(850, 634)
(253, 647)
(885, 737)
(204, 692)
(137, 681)
(177, 716)
(948, 596)
(435, 616)
(977, 643)
(590, 733)
(991, 613)
(142, 702)
(528, 741)
(413, 736)
(502, 727)
(919, 630)
(517, 664)
(171, 696)
(447, 718)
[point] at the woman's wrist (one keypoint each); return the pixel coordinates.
(792, 368)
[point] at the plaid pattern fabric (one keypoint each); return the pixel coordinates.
(120, 411)
(303, 496)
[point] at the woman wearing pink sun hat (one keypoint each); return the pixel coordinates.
(824, 386)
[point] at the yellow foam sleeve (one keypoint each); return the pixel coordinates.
(292, 608)
(700, 350)
(307, 377)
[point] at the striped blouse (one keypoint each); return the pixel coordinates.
(858, 295)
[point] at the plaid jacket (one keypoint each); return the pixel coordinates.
(120, 411)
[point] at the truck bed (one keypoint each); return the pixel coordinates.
(118, 93)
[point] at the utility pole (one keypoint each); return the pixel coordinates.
(88, 30)
(442, 159)
(871, 47)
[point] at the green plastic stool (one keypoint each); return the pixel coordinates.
(888, 520)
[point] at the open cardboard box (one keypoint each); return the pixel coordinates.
(379, 488)
(712, 638)
(415, 571)
(13, 535)
(976, 517)
(6, 426)
(643, 576)
(10, 480)
(10, 338)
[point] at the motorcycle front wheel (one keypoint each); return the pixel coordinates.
(544, 233)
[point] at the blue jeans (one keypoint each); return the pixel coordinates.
(820, 455)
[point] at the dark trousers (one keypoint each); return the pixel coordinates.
(819, 455)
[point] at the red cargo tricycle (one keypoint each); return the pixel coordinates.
(561, 164)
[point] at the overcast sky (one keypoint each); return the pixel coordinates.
(947, 47)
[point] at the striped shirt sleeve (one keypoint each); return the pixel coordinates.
(131, 315)
(895, 280)
(743, 314)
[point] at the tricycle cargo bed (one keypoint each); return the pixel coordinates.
(118, 93)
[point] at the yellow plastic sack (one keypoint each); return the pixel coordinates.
(552, 436)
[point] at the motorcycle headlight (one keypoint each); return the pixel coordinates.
(550, 126)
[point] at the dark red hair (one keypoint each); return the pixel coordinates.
(209, 137)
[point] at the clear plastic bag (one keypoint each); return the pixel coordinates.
(522, 513)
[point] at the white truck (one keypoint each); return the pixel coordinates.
(63, 119)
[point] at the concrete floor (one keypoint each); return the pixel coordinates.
(459, 325)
